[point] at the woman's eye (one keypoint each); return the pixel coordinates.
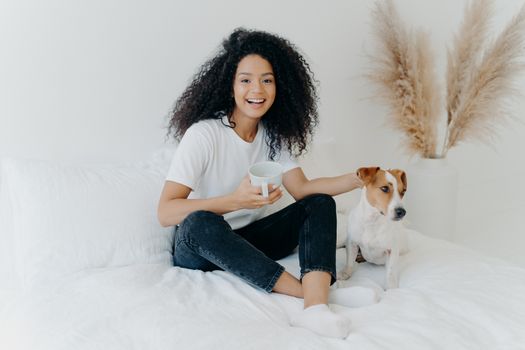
(267, 81)
(245, 81)
(385, 189)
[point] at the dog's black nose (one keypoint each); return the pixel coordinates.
(400, 213)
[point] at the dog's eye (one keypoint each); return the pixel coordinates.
(385, 189)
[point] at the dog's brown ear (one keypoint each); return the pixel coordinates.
(400, 174)
(367, 174)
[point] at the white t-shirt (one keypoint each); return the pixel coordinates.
(212, 159)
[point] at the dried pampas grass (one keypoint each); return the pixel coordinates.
(478, 81)
(403, 72)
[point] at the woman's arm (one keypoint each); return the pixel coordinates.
(299, 186)
(174, 204)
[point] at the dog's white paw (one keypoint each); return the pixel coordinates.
(344, 274)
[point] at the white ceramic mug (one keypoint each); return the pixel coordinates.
(266, 173)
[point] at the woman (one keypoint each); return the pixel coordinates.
(254, 101)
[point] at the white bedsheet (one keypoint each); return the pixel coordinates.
(449, 298)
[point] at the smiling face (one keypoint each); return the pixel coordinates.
(253, 87)
(385, 190)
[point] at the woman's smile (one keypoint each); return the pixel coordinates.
(256, 103)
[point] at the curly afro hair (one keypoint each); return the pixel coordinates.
(291, 119)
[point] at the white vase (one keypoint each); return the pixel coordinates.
(431, 197)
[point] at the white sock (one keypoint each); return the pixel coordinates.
(319, 319)
(354, 296)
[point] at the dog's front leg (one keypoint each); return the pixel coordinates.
(392, 267)
(351, 253)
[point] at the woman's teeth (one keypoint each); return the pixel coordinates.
(255, 100)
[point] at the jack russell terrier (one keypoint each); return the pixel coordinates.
(374, 226)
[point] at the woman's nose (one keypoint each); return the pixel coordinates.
(256, 86)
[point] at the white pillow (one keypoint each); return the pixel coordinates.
(66, 218)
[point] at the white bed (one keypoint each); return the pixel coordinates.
(76, 278)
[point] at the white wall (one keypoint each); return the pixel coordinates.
(94, 81)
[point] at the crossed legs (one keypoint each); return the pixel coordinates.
(205, 241)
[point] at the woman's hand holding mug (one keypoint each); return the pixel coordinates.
(261, 186)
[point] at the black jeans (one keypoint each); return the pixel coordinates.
(205, 241)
